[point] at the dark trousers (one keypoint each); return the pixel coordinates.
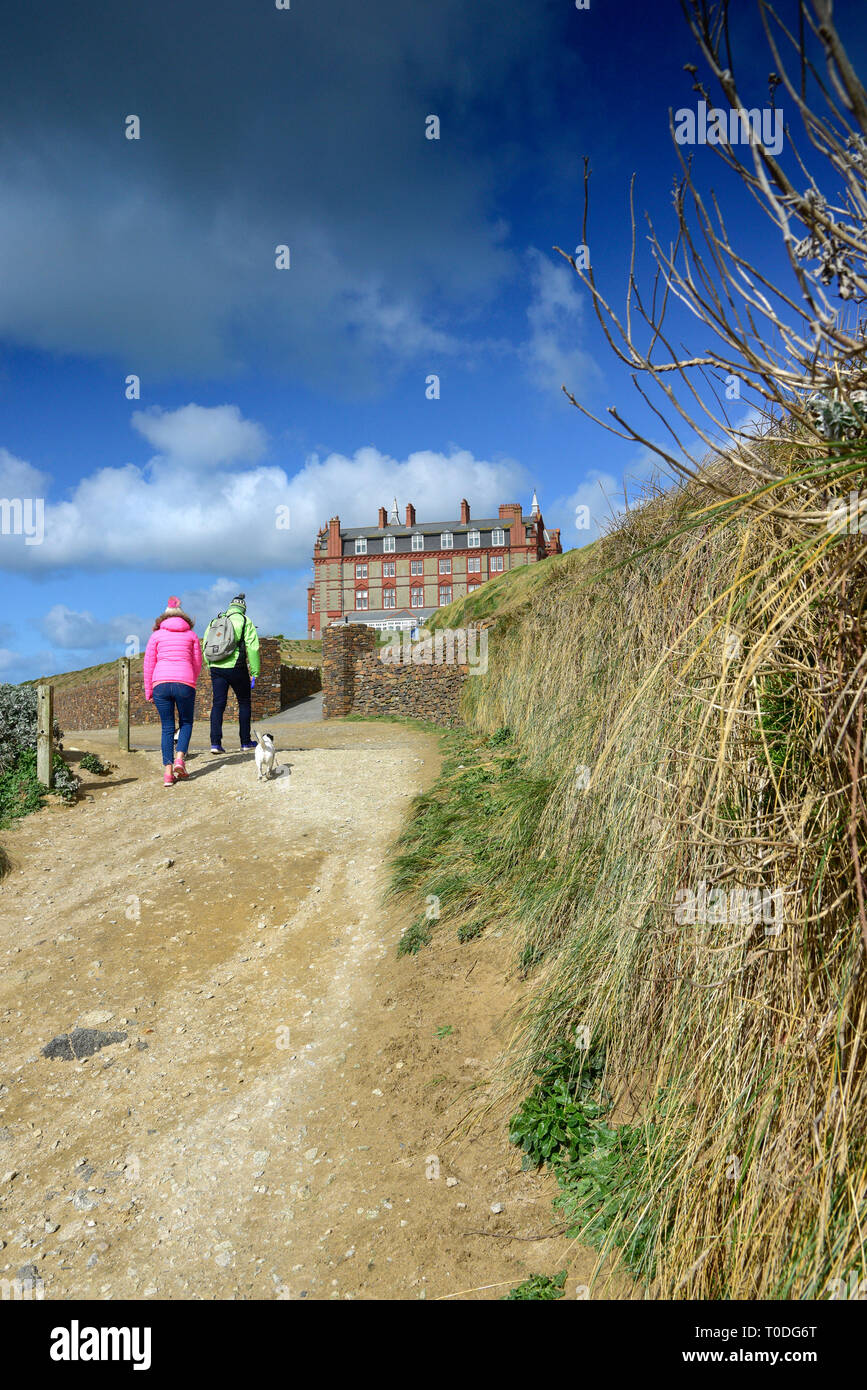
(235, 678)
(166, 696)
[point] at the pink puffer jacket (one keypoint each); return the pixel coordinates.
(173, 653)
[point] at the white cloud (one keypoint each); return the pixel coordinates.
(202, 437)
(81, 631)
(556, 319)
(20, 479)
(165, 517)
(602, 495)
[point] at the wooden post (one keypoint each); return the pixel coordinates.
(45, 734)
(123, 704)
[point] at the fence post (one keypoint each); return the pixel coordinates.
(123, 704)
(45, 734)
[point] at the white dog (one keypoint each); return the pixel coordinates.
(266, 757)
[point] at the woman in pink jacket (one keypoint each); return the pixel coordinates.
(173, 659)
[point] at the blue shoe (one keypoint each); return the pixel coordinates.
(248, 747)
(217, 748)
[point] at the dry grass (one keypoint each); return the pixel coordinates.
(708, 674)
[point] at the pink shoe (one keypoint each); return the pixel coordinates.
(180, 768)
(168, 779)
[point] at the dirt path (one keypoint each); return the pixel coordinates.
(276, 1123)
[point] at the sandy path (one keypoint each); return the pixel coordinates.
(275, 1124)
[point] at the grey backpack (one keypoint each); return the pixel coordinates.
(221, 639)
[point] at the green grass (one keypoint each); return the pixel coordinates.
(508, 591)
(465, 849)
(21, 792)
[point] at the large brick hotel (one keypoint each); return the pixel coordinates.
(395, 574)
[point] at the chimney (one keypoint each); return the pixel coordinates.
(465, 511)
(410, 514)
(334, 547)
(382, 521)
(511, 511)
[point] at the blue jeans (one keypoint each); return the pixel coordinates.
(166, 696)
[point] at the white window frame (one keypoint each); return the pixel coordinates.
(361, 545)
(416, 596)
(445, 564)
(447, 540)
(445, 588)
(388, 544)
(498, 536)
(361, 607)
(474, 564)
(474, 539)
(389, 598)
(496, 564)
(388, 569)
(416, 567)
(417, 540)
(361, 571)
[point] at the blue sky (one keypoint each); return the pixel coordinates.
(409, 257)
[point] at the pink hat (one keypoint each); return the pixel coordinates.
(173, 603)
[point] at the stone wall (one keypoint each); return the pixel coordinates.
(94, 706)
(356, 680)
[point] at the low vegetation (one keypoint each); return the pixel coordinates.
(20, 790)
(657, 798)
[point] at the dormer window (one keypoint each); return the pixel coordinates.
(474, 539)
(388, 543)
(361, 545)
(417, 540)
(498, 536)
(447, 540)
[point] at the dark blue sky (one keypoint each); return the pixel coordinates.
(409, 257)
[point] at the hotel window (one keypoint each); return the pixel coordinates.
(417, 540)
(496, 563)
(388, 596)
(474, 539)
(445, 594)
(498, 537)
(388, 542)
(361, 571)
(474, 564)
(361, 545)
(361, 598)
(312, 603)
(447, 540)
(416, 597)
(416, 566)
(388, 569)
(446, 566)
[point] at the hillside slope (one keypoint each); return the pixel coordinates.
(657, 798)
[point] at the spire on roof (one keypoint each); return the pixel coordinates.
(535, 509)
(394, 519)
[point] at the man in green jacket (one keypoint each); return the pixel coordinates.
(237, 671)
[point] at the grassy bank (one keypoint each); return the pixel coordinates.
(659, 795)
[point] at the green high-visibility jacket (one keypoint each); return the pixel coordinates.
(251, 642)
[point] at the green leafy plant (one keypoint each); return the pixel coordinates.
(539, 1288)
(92, 762)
